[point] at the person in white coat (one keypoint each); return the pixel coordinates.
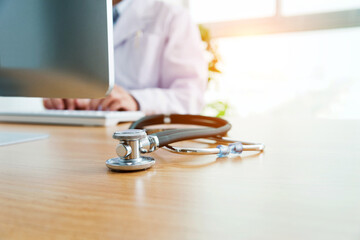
(159, 62)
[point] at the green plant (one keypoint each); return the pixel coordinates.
(217, 108)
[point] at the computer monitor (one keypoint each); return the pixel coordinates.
(56, 48)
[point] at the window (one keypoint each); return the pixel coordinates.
(297, 71)
(215, 10)
(304, 74)
(297, 7)
(229, 18)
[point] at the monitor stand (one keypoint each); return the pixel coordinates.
(8, 138)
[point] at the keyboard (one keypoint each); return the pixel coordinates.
(73, 117)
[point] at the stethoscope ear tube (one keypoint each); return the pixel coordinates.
(214, 127)
(188, 134)
(178, 119)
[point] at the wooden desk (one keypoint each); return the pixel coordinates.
(306, 185)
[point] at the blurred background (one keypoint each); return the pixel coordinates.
(296, 58)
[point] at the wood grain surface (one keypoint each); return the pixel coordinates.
(306, 185)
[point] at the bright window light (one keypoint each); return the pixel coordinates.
(215, 10)
(297, 7)
(305, 74)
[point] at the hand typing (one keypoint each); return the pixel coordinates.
(118, 100)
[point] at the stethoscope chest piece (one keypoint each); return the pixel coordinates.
(119, 164)
(128, 151)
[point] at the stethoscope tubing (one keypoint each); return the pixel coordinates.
(136, 140)
(213, 127)
(246, 146)
(178, 119)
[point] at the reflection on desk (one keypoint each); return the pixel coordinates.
(306, 185)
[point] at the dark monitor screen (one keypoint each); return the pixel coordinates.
(56, 48)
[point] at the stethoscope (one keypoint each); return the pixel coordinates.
(136, 141)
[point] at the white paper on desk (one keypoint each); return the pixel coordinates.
(7, 138)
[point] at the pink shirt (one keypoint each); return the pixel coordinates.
(159, 58)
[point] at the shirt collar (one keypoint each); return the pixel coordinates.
(134, 19)
(121, 6)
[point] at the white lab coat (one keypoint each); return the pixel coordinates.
(159, 58)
